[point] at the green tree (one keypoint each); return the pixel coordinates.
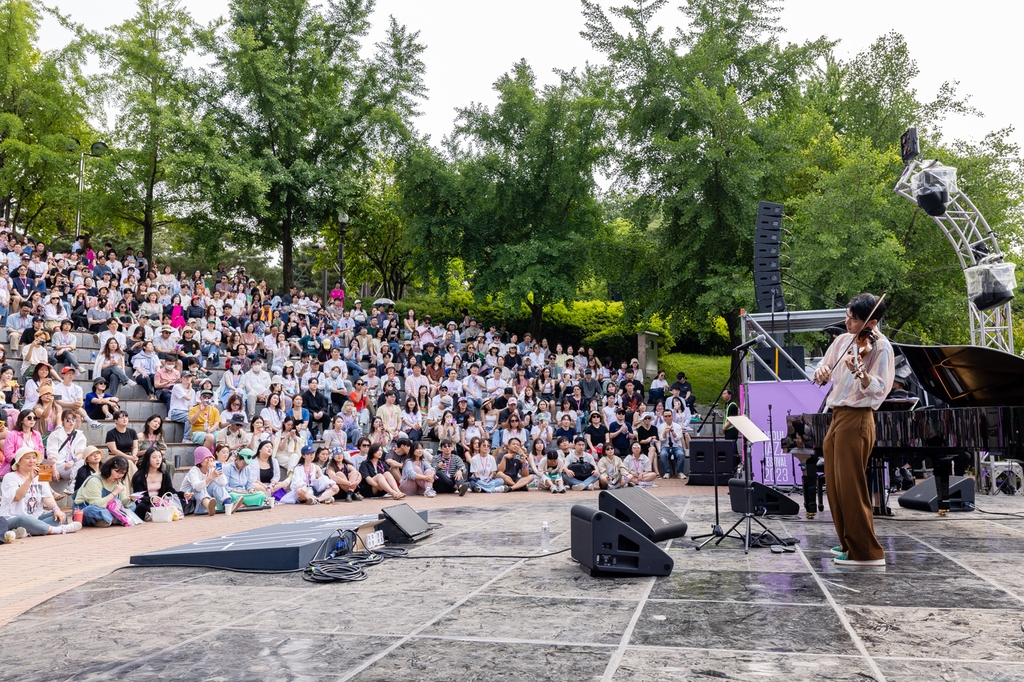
(702, 121)
(43, 115)
(377, 247)
(156, 141)
(305, 114)
(514, 198)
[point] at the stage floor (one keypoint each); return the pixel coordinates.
(949, 606)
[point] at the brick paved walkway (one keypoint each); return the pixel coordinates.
(36, 569)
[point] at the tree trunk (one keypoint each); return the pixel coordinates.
(732, 320)
(286, 253)
(536, 315)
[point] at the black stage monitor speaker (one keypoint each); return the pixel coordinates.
(766, 501)
(924, 497)
(605, 546)
(701, 472)
(402, 524)
(643, 512)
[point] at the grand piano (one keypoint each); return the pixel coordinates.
(977, 406)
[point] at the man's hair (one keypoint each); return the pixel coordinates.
(860, 307)
(560, 440)
(403, 442)
(446, 443)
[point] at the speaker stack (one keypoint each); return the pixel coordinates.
(767, 241)
(617, 539)
(703, 466)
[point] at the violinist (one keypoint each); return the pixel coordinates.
(861, 366)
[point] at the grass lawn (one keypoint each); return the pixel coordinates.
(707, 373)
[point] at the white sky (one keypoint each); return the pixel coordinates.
(471, 42)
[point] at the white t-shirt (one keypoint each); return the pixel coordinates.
(68, 394)
(483, 468)
(30, 505)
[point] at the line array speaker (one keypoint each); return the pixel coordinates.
(767, 240)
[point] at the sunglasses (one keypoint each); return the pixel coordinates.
(30, 418)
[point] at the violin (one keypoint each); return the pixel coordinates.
(861, 346)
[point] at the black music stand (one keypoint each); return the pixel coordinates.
(751, 434)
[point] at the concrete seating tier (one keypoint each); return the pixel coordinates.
(173, 432)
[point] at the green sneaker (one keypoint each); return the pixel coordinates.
(837, 550)
(843, 560)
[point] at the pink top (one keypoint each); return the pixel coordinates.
(14, 441)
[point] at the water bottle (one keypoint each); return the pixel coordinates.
(545, 536)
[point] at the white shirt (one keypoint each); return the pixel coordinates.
(67, 452)
(31, 504)
(68, 394)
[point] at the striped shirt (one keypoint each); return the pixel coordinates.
(846, 388)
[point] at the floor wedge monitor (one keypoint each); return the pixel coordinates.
(605, 546)
(643, 512)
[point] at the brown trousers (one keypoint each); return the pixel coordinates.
(847, 448)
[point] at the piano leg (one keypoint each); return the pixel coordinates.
(942, 471)
(877, 486)
(810, 480)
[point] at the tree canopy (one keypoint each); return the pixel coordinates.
(513, 196)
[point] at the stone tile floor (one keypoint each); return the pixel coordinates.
(949, 606)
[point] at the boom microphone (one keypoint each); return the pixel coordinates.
(752, 342)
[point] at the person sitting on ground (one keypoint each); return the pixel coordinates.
(27, 503)
(580, 469)
(612, 473)
(417, 476)
(152, 480)
(308, 483)
(484, 470)
(377, 478)
(267, 471)
(513, 468)
(552, 471)
(639, 465)
(242, 481)
(206, 484)
(451, 473)
(345, 475)
(98, 491)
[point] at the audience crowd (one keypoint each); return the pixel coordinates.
(287, 398)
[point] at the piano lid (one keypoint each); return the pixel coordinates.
(965, 376)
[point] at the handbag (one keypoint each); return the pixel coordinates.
(581, 470)
(117, 510)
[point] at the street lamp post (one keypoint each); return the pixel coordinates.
(97, 150)
(343, 224)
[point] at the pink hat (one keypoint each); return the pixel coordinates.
(200, 454)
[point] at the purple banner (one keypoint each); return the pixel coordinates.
(784, 397)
